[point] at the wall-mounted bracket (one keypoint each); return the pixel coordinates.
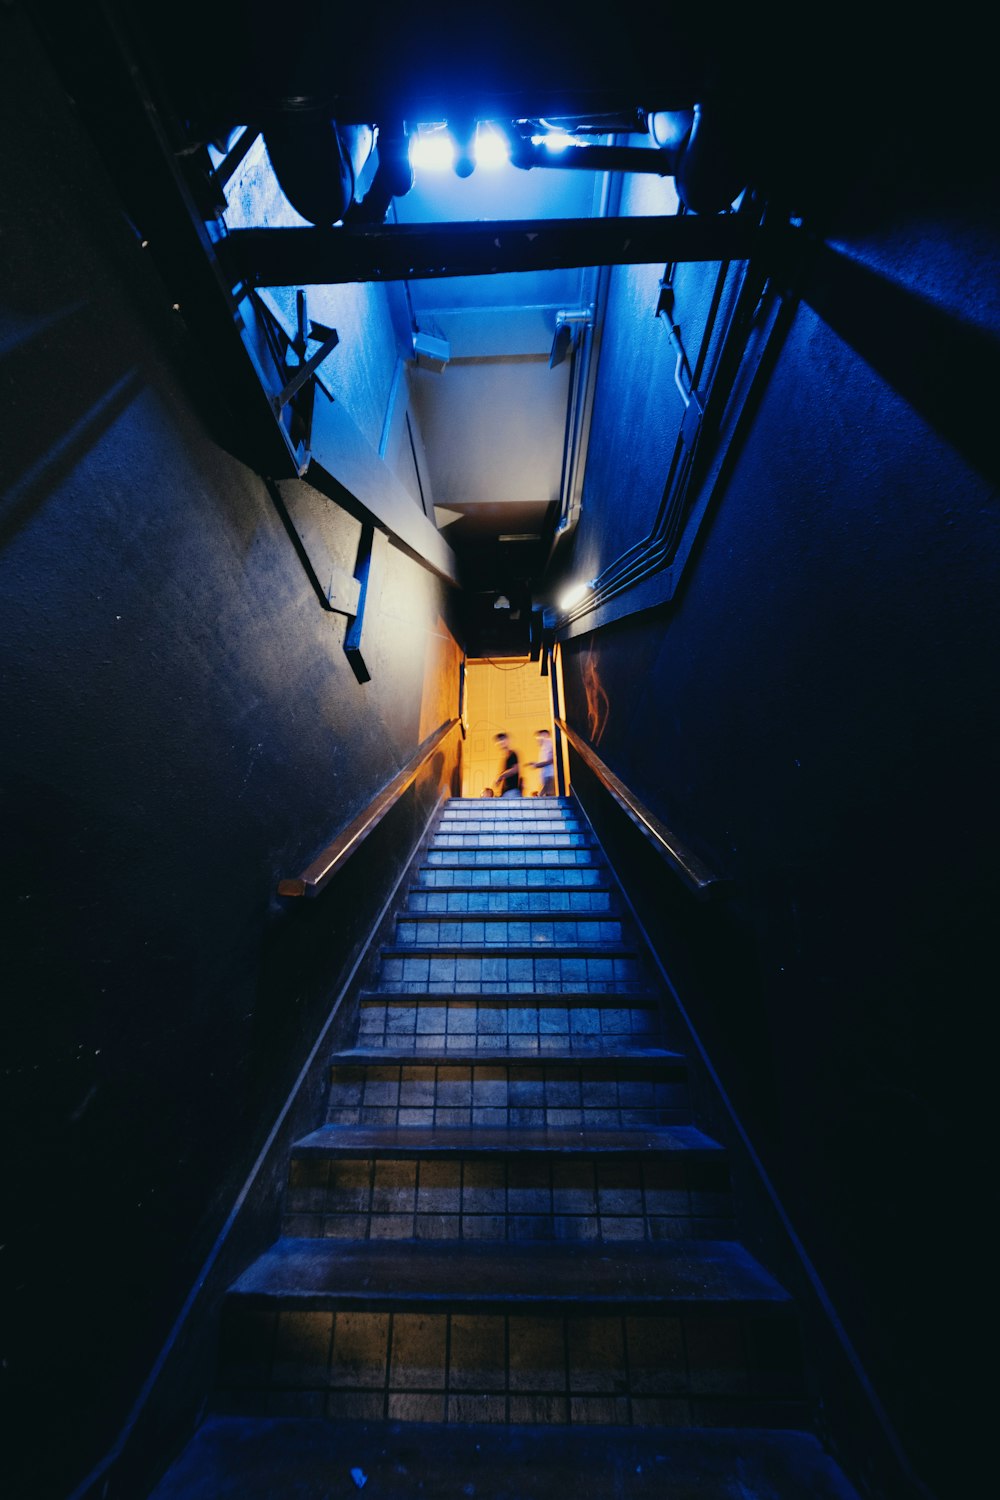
(330, 340)
(369, 550)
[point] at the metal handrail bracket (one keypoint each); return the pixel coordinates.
(689, 869)
(335, 855)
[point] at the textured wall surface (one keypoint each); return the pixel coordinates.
(181, 729)
(813, 716)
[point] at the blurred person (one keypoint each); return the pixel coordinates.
(508, 783)
(545, 763)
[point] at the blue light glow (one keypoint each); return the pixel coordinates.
(432, 151)
(433, 148)
(554, 140)
(491, 148)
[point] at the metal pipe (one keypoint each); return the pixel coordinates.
(587, 158)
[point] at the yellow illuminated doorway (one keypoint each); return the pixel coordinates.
(511, 695)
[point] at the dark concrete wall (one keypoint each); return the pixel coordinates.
(815, 716)
(181, 729)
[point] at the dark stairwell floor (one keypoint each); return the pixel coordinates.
(509, 1266)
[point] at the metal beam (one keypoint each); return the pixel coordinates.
(411, 252)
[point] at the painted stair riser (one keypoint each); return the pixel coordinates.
(704, 1367)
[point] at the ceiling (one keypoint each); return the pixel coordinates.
(493, 421)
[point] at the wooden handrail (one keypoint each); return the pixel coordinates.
(698, 879)
(326, 865)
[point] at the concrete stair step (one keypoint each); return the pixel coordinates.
(481, 901)
(563, 1021)
(571, 1092)
(311, 1274)
(510, 840)
(558, 817)
(641, 1332)
(576, 998)
(472, 1184)
(539, 973)
(571, 927)
(481, 1141)
(512, 806)
(517, 877)
(507, 856)
(467, 944)
(661, 1060)
(498, 829)
(240, 1458)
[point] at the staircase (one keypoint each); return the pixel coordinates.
(508, 1265)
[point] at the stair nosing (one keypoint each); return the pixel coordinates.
(387, 1056)
(665, 1273)
(508, 950)
(404, 1141)
(529, 999)
(532, 890)
(503, 916)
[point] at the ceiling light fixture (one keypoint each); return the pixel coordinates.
(433, 148)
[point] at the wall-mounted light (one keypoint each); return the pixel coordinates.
(574, 595)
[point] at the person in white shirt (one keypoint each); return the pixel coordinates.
(545, 763)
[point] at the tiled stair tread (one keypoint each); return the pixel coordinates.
(484, 1140)
(321, 1273)
(635, 1058)
(517, 890)
(487, 815)
(246, 1458)
(529, 878)
(502, 916)
(459, 854)
(514, 807)
(444, 949)
(532, 999)
(501, 828)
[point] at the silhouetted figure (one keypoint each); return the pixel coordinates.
(508, 783)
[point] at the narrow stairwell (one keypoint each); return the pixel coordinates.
(508, 1265)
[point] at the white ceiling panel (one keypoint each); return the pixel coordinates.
(493, 430)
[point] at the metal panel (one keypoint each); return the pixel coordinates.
(343, 461)
(395, 252)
